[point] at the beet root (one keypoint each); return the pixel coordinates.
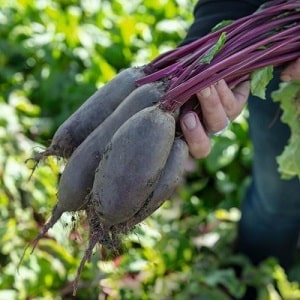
(110, 236)
(77, 178)
(73, 131)
(170, 179)
(132, 164)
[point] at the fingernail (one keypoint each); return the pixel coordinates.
(205, 92)
(189, 121)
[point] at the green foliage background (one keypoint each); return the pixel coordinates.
(53, 56)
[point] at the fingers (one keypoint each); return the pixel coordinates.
(195, 135)
(292, 71)
(213, 113)
(233, 101)
(218, 103)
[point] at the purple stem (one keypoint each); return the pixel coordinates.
(235, 45)
(237, 25)
(230, 61)
(275, 61)
(197, 83)
(257, 33)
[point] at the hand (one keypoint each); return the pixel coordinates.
(218, 104)
(292, 71)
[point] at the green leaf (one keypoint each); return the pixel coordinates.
(222, 154)
(221, 25)
(259, 81)
(228, 279)
(288, 95)
(289, 160)
(207, 58)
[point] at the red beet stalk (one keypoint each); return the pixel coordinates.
(269, 36)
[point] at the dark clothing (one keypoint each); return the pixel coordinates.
(208, 13)
(270, 223)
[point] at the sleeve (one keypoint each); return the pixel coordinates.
(208, 13)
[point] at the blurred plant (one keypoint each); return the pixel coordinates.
(53, 56)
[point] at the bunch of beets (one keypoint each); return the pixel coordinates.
(124, 154)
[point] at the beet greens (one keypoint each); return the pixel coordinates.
(268, 37)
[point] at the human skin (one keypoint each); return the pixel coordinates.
(218, 102)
